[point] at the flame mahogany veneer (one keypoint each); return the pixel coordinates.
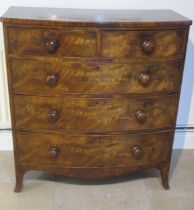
(93, 93)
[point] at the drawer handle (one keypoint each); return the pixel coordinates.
(51, 46)
(141, 116)
(148, 47)
(52, 79)
(145, 79)
(53, 115)
(53, 152)
(137, 152)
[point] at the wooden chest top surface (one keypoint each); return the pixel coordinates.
(93, 17)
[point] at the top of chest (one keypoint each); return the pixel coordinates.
(95, 18)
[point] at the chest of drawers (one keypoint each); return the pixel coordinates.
(93, 93)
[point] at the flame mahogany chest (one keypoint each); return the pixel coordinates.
(93, 93)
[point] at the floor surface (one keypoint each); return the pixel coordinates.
(139, 191)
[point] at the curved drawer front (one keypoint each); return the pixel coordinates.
(83, 114)
(44, 42)
(93, 151)
(143, 44)
(32, 76)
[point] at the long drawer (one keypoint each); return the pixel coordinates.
(95, 114)
(52, 42)
(143, 44)
(93, 151)
(55, 77)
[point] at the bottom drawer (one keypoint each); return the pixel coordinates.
(93, 150)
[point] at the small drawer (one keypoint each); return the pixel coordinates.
(95, 114)
(51, 42)
(143, 44)
(93, 150)
(31, 76)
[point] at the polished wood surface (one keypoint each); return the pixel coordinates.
(55, 77)
(96, 114)
(93, 93)
(141, 44)
(81, 151)
(50, 42)
(93, 17)
(80, 43)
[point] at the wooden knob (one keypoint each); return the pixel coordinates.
(141, 116)
(53, 115)
(137, 152)
(52, 79)
(51, 45)
(148, 47)
(53, 152)
(144, 79)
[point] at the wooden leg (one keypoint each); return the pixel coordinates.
(19, 172)
(164, 170)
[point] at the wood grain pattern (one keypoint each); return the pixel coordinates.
(30, 76)
(92, 151)
(70, 43)
(130, 43)
(93, 93)
(99, 114)
(95, 18)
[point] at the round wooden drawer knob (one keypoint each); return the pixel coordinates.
(52, 79)
(51, 46)
(148, 47)
(53, 152)
(141, 116)
(144, 79)
(53, 115)
(137, 152)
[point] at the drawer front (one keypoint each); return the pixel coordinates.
(93, 151)
(50, 42)
(143, 44)
(32, 76)
(83, 114)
